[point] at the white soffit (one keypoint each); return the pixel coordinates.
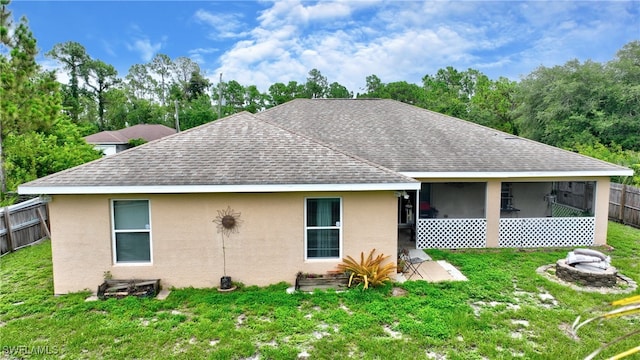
(516, 175)
(187, 189)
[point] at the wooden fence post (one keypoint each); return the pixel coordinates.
(7, 224)
(623, 195)
(43, 223)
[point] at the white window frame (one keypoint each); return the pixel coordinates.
(114, 232)
(339, 227)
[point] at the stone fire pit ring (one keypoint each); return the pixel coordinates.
(604, 278)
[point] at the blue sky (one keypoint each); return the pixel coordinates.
(263, 42)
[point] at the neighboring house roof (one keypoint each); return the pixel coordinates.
(322, 145)
(424, 144)
(106, 138)
(237, 154)
(148, 132)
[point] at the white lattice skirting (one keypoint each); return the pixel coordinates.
(544, 232)
(451, 233)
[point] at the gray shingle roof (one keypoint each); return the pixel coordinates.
(237, 150)
(321, 142)
(409, 139)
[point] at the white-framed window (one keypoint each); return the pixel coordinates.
(131, 225)
(323, 228)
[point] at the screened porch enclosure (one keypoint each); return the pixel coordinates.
(531, 214)
(452, 215)
(541, 214)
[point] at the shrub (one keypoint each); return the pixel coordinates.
(369, 271)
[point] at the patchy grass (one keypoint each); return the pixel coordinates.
(505, 310)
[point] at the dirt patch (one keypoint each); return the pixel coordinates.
(396, 292)
(394, 334)
(240, 320)
(567, 330)
(435, 356)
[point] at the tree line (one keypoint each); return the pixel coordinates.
(588, 107)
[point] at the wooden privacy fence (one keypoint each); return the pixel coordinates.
(23, 224)
(624, 204)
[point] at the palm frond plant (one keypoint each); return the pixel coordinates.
(369, 271)
(622, 307)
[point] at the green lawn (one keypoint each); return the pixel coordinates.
(504, 311)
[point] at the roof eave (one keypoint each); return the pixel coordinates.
(107, 143)
(514, 174)
(189, 189)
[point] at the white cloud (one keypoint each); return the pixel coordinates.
(142, 44)
(145, 48)
(389, 40)
(295, 12)
(225, 25)
(327, 11)
(198, 55)
(561, 31)
(108, 48)
(350, 40)
(281, 13)
(263, 42)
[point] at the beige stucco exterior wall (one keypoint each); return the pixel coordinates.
(187, 249)
(601, 207)
(494, 188)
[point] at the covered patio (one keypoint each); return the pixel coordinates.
(500, 213)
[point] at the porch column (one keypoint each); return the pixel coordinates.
(493, 212)
(601, 210)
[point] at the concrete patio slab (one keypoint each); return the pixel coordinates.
(433, 271)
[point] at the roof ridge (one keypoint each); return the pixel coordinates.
(323, 144)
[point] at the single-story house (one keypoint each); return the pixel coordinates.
(114, 141)
(307, 183)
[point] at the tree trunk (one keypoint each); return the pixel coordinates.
(3, 183)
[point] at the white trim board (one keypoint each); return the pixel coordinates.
(516, 174)
(187, 189)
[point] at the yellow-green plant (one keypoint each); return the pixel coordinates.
(623, 307)
(368, 271)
